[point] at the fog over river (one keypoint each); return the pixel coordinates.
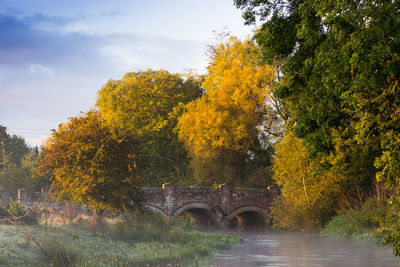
(268, 248)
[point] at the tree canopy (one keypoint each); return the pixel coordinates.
(93, 163)
(340, 62)
(12, 149)
(18, 164)
(340, 66)
(227, 116)
(226, 124)
(145, 101)
(309, 193)
(148, 104)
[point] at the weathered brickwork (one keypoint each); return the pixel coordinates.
(222, 204)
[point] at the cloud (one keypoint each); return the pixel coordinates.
(22, 43)
(146, 51)
(38, 68)
(49, 74)
(113, 12)
(25, 44)
(38, 19)
(14, 33)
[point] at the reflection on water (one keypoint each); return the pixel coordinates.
(268, 248)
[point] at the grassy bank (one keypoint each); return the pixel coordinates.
(141, 240)
(370, 221)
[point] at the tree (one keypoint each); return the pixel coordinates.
(12, 149)
(24, 176)
(309, 193)
(93, 163)
(148, 104)
(340, 65)
(229, 118)
(225, 168)
(339, 60)
(18, 164)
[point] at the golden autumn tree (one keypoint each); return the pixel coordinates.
(308, 192)
(228, 118)
(90, 162)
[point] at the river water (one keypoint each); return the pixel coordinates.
(268, 248)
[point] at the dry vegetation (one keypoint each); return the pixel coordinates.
(69, 239)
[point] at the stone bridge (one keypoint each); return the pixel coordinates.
(224, 206)
(207, 206)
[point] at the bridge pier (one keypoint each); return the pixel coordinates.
(169, 198)
(226, 196)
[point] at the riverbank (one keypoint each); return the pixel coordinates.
(372, 221)
(144, 240)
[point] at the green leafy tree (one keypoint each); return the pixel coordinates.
(148, 104)
(25, 176)
(93, 163)
(18, 164)
(12, 149)
(340, 65)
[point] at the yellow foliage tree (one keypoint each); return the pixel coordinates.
(229, 115)
(308, 192)
(90, 162)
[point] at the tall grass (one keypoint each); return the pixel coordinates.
(57, 253)
(140, 227)
(130, 240)
(368, 221)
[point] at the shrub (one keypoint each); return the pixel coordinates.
(291, 216)
(15, 209)
(68, 215)
(339, 226)
(179, 235)
(308, 190)
(15, 212)
(141, 227)
(368, 220)
(184, 221)
(57, 254)
(97, 223)
(392, 236)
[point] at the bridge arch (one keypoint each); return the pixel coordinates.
(247, 216)
(202, 214)
(155, 209)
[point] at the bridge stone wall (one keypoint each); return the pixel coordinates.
(222, 203)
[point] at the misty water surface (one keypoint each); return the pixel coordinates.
(268, 248)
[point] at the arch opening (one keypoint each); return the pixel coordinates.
(199, 217)
(248, 220)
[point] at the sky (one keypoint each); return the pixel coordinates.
(55, 55)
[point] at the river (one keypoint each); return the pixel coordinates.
(268, 248)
